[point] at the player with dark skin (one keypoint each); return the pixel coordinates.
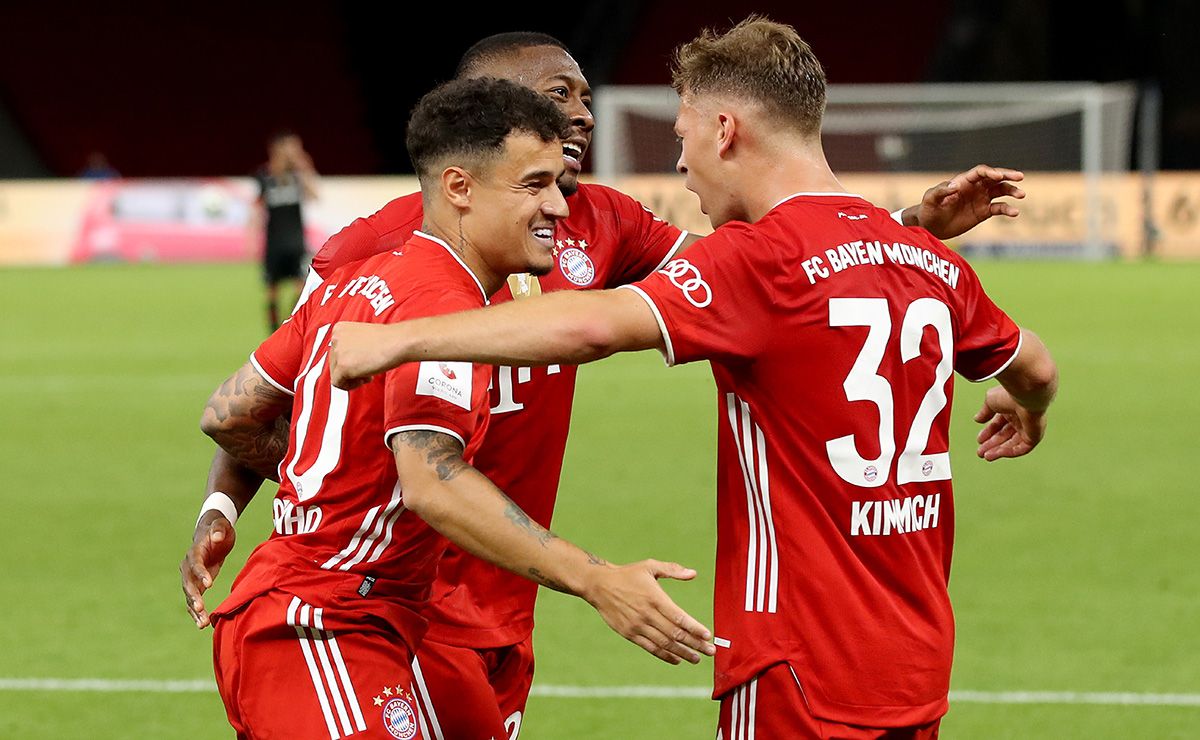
(749, 158)
(947, 209)
(479, 206)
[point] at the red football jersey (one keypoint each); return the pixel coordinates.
(342, 536)
(608, 240)
(833, 334)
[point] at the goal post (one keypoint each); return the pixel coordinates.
(1084, 130)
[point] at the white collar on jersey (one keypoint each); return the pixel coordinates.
(825, 194)
(457, 259)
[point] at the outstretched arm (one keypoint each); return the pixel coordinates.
(1015, 411)
(568, 326)
(461, 503)
(955, 206)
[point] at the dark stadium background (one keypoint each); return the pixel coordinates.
(168, 89)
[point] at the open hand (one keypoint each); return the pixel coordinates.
(632, 602)
(957, 205)
(211, 544)
(1011, 430)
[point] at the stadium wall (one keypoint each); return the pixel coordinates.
(55, 222)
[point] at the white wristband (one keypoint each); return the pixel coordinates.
(898, 216)
(221, 502)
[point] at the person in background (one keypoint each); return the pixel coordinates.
(284, 182)
(98, 168)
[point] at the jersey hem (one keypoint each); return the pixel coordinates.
(311, 283)
(829, 194)
(478, 638)
(683, 234)
(459, 260)
(822, 707)
(1009, 361)
(668, 350)
(387, 436)
(267, 376)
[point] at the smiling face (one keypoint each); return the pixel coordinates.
(515, 204)
(552, 72)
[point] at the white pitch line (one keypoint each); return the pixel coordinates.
(620, 692)
(203, 686)
(961, 697)
(108, 685)
(1122, 698)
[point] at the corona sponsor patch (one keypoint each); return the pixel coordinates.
(449, 381)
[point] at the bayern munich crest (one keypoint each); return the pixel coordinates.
(576, 266)
(399, 717)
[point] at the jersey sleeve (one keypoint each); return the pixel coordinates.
(355, 242)
(388, 228)
(988, 339)
(447, 397)
(647, 242)
(278, 358)
(714, 303)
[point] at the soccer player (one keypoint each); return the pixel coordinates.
(477, 658)
(833, 334)
(284, 183)
(318, 634)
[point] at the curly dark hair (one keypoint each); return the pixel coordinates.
(470, 119)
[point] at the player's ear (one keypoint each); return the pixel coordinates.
(456, 186)
(726, 132)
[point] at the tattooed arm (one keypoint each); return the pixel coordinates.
(247, 418)
(461, 503)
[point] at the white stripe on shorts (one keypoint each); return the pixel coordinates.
(426, 702)
(743, 712)
(320, 647)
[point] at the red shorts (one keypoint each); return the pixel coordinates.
(772, 705)
(473, 694)
(282, 675)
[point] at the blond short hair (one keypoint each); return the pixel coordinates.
(760, 61)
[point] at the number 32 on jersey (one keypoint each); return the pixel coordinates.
(864, 383)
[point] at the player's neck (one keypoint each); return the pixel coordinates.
(462, 248)
(776, 175)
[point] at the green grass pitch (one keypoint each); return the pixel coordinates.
(1076, 568)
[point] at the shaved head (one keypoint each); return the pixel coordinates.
(543, 64)
(487, 51)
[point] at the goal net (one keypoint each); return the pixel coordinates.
(1079, 135)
